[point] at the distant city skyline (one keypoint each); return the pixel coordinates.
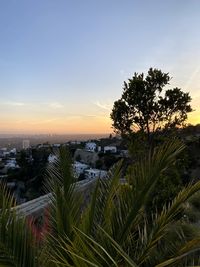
(63, 63)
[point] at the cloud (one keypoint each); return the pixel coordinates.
(103, 106)
(89, 115)
(42, 121)
(55, 105)
(15, 104)
(192, 77)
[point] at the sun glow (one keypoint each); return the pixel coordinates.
(59, 126)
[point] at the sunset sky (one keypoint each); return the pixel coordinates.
(63, 62)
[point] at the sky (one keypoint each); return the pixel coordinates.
(63, 62)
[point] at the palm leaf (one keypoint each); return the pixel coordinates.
(145, 175)
(18, 246)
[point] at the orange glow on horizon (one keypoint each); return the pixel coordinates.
(194, 118)
(68, 125)
(72, 126)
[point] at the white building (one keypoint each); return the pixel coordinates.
(2, 151)
(110, 149)
(6, 154)
(95, 173)
(56, 145)
(52, 158)
(26, 144)
(75, 142)
(13, 151)
(79, 168)
(90, 146)
(11, 164)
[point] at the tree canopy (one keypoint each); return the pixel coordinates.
(145, 106)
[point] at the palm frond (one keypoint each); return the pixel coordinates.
(143, 179)
(18, 246)
(88, 252)
(112, 229)
(166, 218)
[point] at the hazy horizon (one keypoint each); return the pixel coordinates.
(11, 140)
(53, 135)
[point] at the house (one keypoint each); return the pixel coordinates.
(75, 142)
(95, 173)
(79, 168)
(3, 151)
(11, 164)
(56, 145)
(6, 154)
(45, 145)
(52, 158)
(90, 146)
(110, 149)
(13, 151)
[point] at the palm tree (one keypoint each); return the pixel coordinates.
(112, 227)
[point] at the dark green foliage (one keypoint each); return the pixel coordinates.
(106, 160)
(112, 227)
(23, 160)
(143, 106)
(109, 160)
(167, 188)
(195, 201)
(99, 164)
(32, 165)
(172, 180)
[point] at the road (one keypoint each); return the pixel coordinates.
(36, 207)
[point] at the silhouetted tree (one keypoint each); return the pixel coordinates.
(144, 106)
